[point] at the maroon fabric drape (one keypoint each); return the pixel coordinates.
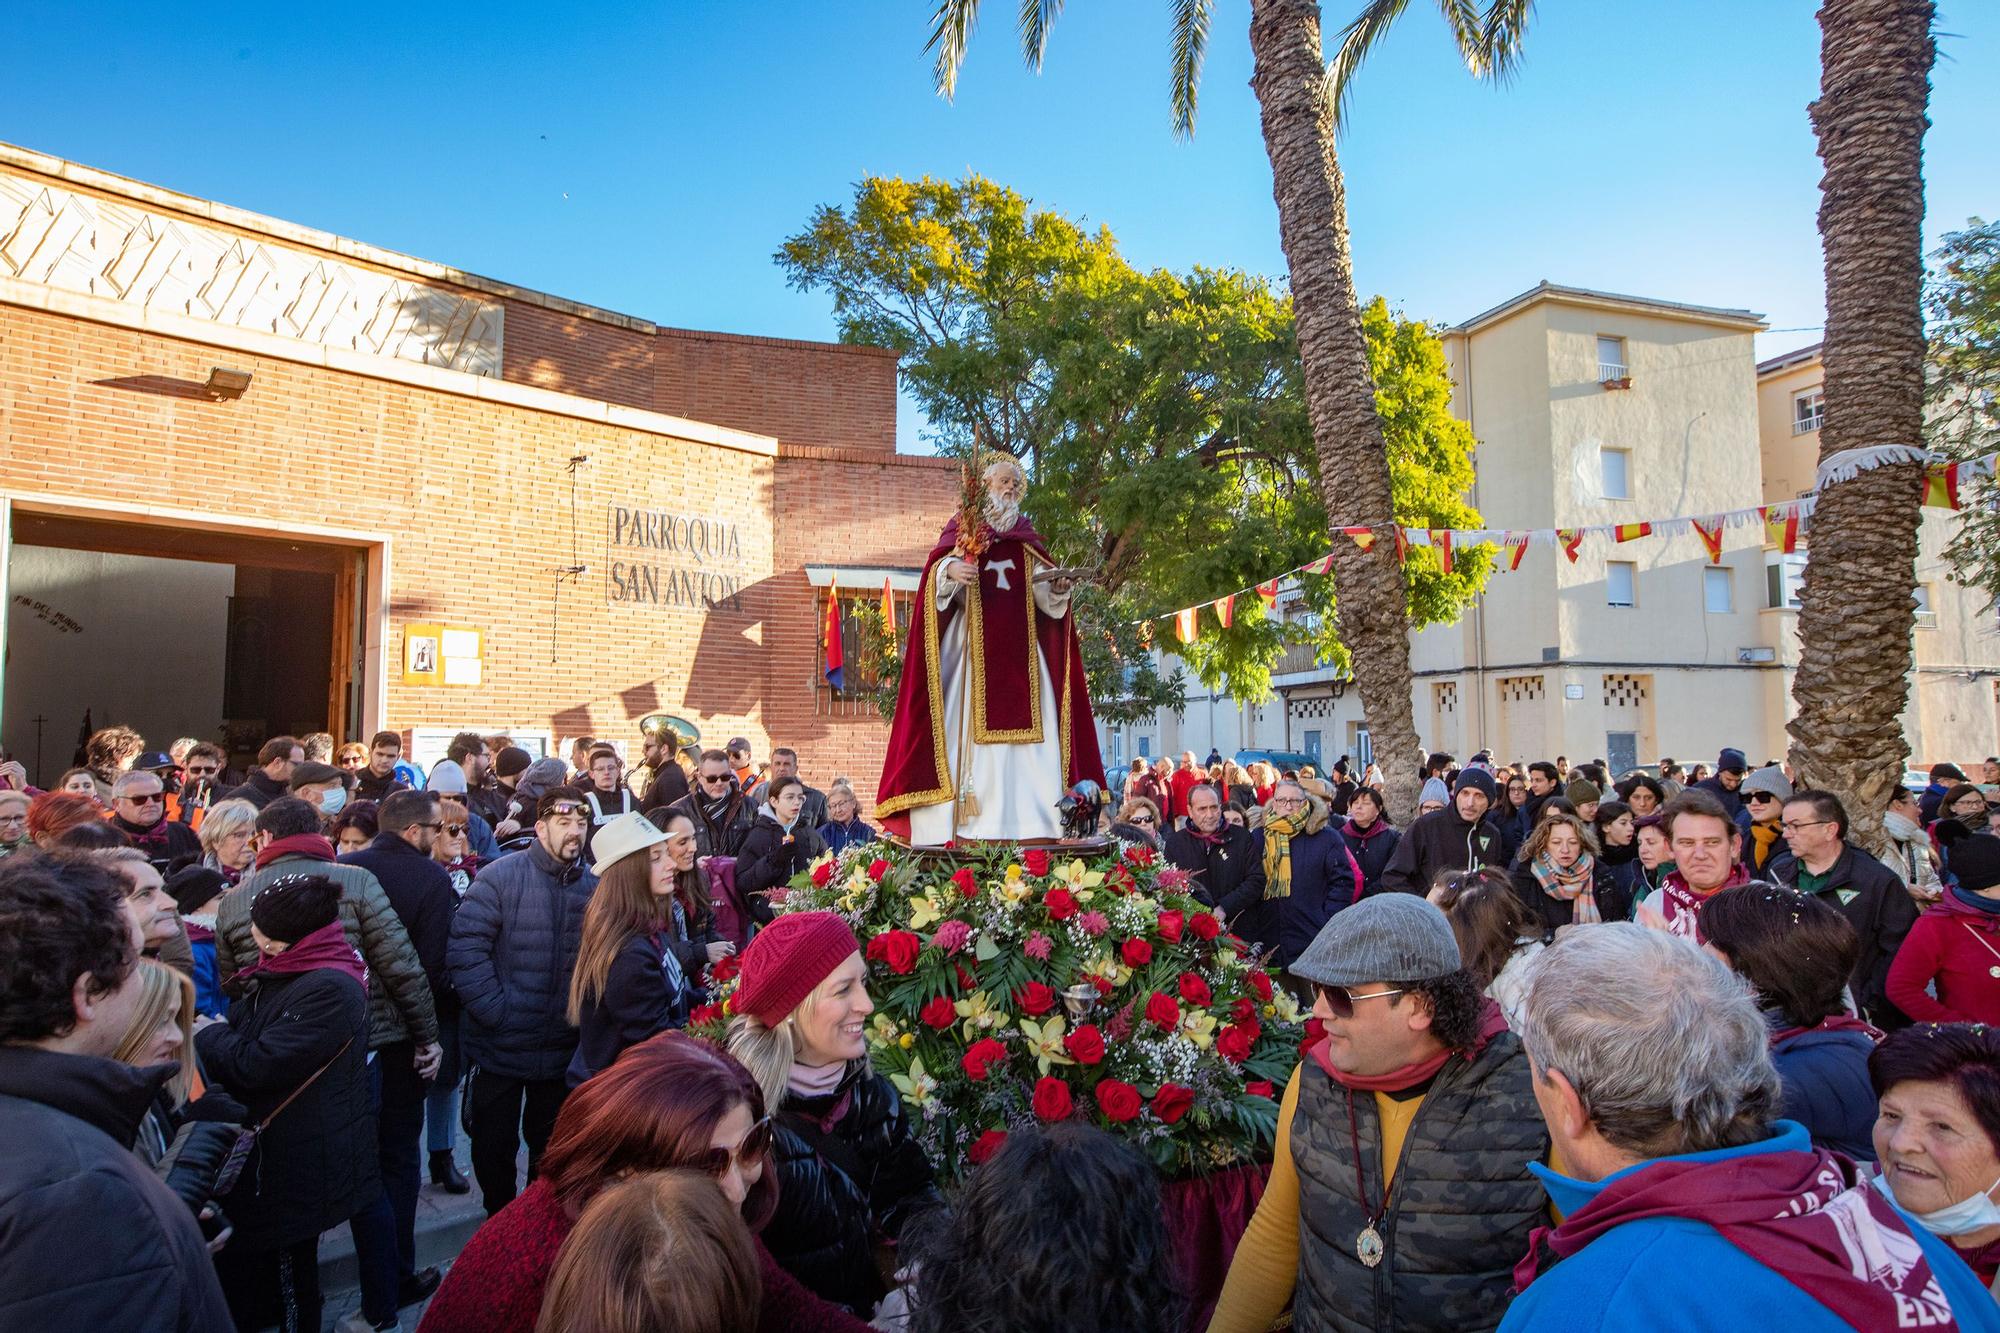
(1205, 1218)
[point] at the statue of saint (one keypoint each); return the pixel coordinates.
(993, 721)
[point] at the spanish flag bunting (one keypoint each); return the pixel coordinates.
(1402, 543)
(1323, 565)
(1363, 537)
(1626, 532)
(1710, 532)
(1941, 486)
(1517, 546)
(834, 656)
(1441, 541)
(1225, 610)
(889, 614)
(1186, 625)
(1781, 527)
(1269, 592)
(1571, 540)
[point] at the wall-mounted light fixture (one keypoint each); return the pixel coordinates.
(226, 382)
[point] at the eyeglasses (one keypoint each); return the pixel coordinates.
(562, 811)
(202, 772)
(708, 778)
(1759, 796)
(157, 798)
(748, 1153)
(1341, 1000)
(1142, 819)
(455, 830)
(1791, 826)
(435, 825)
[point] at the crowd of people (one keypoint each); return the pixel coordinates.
(1662, 1048)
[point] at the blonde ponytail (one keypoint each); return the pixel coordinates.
(766, 1052)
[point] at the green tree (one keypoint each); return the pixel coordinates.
(1161, 417)
(1963, 396)
(1299, 95)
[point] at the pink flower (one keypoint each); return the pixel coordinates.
(1038, 946)
(951, 936)
(1175, 880)
(1093, 923)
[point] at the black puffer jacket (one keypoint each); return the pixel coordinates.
(513, 947)
(842, 1188)
(314, 1165)
(766, 861)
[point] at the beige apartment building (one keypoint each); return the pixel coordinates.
(1594, 408)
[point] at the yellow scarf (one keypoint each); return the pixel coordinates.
(1278, 831)
(1762, 837)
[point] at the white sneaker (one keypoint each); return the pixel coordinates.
(358, 1323)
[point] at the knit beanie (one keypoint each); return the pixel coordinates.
(1975, 861)
(292, 907)
(1582, 790)
(194, 887)
(1771, 781)
(512, 760)
(447, 779)
(1434, 790)
(540, 777)
(1480, 781)
(1731, 761)
(787, 959)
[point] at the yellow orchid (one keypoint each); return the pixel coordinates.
(916, 1086)
(981, 1015)
(1045, 1042)
(1014, 872)
(1076, 878)
(1104, 965)
(1287, 1007)
(926, 911)
(1198, 1027)
(1015, 891)
(883, 1028)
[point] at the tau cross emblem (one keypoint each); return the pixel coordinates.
(1000, 568)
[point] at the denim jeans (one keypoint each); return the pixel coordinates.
(385, 1234)
(441, 1102)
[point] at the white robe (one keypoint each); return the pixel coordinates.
(1017, 785)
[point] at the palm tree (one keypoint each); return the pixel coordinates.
(1855, 617)
(1300, 97)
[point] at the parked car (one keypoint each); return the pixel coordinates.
(1279, 759)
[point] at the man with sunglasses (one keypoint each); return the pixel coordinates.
(1818, 859)
(1401, 1195)
(1458, 837)
(722, 816)
(139, 811)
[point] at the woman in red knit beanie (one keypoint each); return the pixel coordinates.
(672, 1102)
(850, 1172)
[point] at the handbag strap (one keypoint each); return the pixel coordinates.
(265, 1123)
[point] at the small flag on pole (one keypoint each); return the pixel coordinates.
(835, 657)
(1187, 624)
(1269, 592)
(1363, 537)
(1517, 546)
(1941, 486)
(1628, 532)
(889, 616)
(1225, 610)
(1710, 532)
(1781, 527)
(1441, 540)
(1571, 541)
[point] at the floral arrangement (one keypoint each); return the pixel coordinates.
(1019, 984)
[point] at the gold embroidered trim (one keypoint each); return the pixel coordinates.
(927, 598)
(975, 648)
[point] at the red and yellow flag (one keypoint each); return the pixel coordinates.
(1629, 532)
(1269, 592)
(1402, 543)
(1517, 546)
(1323, 565)
(1441, 542)
(1187, 624)
(889, 615)
(1225, 610)
(1710, 532)
(1941, 486)
(1571, 541)
(1781, 528)
(1363, 537)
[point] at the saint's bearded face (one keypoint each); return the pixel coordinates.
(1003, 498)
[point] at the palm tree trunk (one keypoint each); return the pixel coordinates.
(1340, 395)
(1856, 612)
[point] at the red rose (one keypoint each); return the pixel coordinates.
(1245, 1007)
(1163, 1012)
(967, 981)
(702, 1015)
(1036, 860)
(1205, 926)
(1194, 990)
(939, 1013)
(967, 885)
(1085, 1045)
(1251, 1028)
(1315, 1034)
(877, 868)
(1170, 926)
(1036, 999)
(985, 1146)
(822, 874)
(1119, 1101)
(1136, 953)
(1103, 984)
(1233, 1044)
(726, 969)
(979, 1056)
(1052, 1100)
(1260, 981)
(1061, 904)
(897, 948)
(1172, 1102)
(1260, 1088)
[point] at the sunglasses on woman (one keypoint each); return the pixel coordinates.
(1340, 1000)
(455, 830)
(748, 1153)
(1142, 819)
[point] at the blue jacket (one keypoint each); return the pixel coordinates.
(838, 837)
(513, 947)
(1322, 884)
(1675, 1275)
(208, 997)
(1826, 1089)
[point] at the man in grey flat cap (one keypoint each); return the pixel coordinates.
(1401, 1196)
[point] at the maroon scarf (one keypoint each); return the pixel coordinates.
(309, 845)
(325, 947)
(1212, 839)
(1833, 1023)
(1492, 1022)
(1807, 1216)
(1681, 905)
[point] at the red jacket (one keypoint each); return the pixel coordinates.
(495, 1286)
(1183, 781)
(1957, 946)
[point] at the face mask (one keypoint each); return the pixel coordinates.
(333, 801)
(1970, 1214)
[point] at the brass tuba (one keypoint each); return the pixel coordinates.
(663, 726)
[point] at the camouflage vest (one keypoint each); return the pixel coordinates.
(1460, 1211)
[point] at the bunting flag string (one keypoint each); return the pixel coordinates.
(1784, 526)
(889, 616)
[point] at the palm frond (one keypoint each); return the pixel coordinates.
(1190, 46)
(1505, 30)
(951, 29)
(1357, 39)
(1468, 32)
(1036, 18)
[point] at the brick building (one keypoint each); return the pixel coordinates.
(439, 502)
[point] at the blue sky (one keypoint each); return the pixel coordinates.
(650, 157)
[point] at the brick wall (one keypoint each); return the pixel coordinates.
(800, 392)
(554, 349)
(477, 503)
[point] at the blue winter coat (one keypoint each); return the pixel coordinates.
(1322, 884)
(513, 947)
(1824, 1075)
(838, 837)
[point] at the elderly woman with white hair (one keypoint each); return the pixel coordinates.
(1687, 1203)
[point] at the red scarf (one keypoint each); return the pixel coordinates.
(1212, 839)
(311, 846)
(1681, 905)
(325, 947)
(1806, 1216)
(1492, 1022)
(1833, 1023)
